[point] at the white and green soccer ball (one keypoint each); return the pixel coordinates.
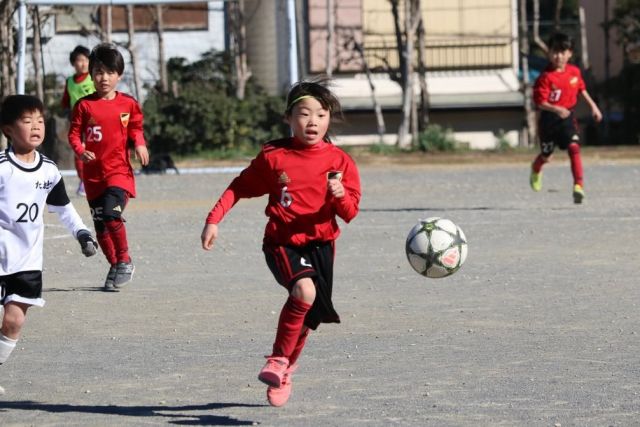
(436, 247)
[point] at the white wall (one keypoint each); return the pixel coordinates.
(186, 44)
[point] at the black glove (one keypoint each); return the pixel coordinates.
(88, 244)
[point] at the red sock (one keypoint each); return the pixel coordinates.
(538, 162)
(106, 244)
(302, 339)
(119, 236)
(289, 326)
(576, 163)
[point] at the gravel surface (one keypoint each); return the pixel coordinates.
(540, 327)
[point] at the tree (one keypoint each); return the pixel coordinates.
(412, 18)
(238, 36)
(131, 47)
(7, 53)
(423, 119)
(330, 32)
(626, 20)
(8, 66)
(37, 53)
(206, 115)
(557, 15)
(403, 74)
(162, 62)
(536, 23)
(353, 44)
(527, 90)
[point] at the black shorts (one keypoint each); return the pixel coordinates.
(24, 287)
(315, 260)
(556, 132)
(109, 205)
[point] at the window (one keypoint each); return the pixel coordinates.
(176, 17)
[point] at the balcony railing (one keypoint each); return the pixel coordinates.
(448, 55)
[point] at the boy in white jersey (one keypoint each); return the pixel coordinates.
(28, 182)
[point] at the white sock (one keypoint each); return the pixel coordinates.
(6, 347)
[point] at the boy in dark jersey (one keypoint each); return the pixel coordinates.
(309, 181)
(77, 86)
(105, 121)
(29, 182)
(555, 94)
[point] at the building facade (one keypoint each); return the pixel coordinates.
(471, 59)
(190, 29)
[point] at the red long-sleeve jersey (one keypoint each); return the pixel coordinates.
(559, 87)
(294, 175)
(105, 127)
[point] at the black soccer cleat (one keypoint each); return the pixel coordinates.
(111, 277)
(124, 273)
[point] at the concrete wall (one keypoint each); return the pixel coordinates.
(477, 129)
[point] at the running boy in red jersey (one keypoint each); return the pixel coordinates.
(77, 86)
(309, 181)
(555, 93)
(105, 121)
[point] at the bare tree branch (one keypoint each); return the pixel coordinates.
(37, 53)
(239, 42)
(530, 133)
(357, 47)
(130, 46)
(536, 27)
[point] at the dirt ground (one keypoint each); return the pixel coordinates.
(538, 328)
(364, 156)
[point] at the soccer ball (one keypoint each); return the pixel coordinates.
(436, 247)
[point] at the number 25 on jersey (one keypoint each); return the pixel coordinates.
(93, 134)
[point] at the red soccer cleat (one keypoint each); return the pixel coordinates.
(280, 396)
(273, 371)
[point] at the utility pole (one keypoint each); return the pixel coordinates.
(529, 135)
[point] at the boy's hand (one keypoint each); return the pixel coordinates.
(142, 154)
(88, 244)
(209, 236)
(87, 156)
(596, 114)
(335, 188)
(562, 112)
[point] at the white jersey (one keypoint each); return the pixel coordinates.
(25, 188)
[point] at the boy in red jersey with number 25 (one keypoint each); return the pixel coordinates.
(105, 121)
(556, 94)
(309, 181)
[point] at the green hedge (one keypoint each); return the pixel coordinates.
(204, 113)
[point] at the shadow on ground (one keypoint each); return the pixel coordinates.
(174, 414)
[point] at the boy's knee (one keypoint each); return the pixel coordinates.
(305, 290)
(574, 148)
(13, 321)
(113, 224)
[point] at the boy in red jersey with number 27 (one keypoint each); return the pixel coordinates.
(309, 181)
(556, 94)
(105, 121)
